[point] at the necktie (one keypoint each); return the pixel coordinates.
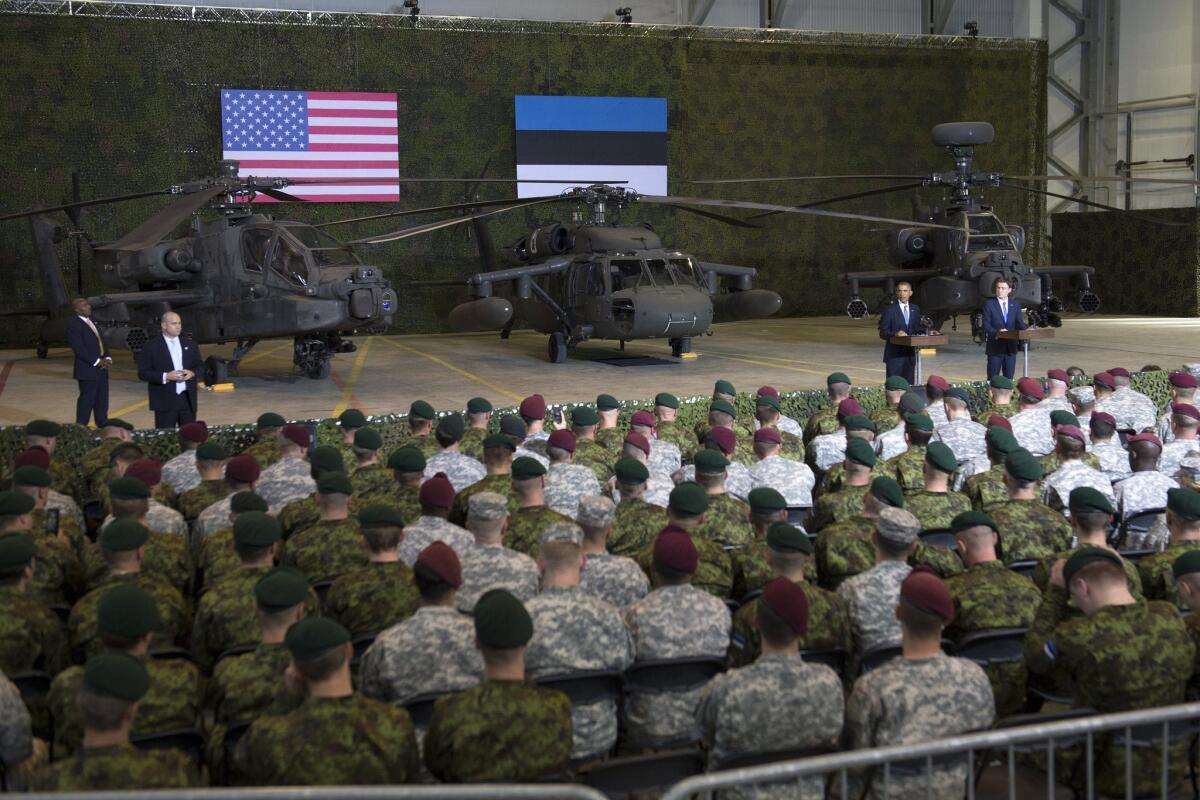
(177, 361)
(904, 311)
(91, 325)
(1004, 310)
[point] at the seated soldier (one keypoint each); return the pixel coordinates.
(57, 575)
(1028, 527)
(331, 546)
(210, 486)
(218, 557)
(379, 595)
(489, 564)
(31, 635)
(870, 596)
(615, 579)
(935, 505)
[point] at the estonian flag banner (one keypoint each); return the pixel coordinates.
(591, 138)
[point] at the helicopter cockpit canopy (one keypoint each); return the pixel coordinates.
(629, 272)
(294, 252)
(986, 233)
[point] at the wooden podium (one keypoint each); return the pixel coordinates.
(917, 342)
(1025, 337)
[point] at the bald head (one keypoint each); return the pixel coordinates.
(172, 325)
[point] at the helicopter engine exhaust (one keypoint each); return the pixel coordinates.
(749, 304)
(856, 308)
(485, 314)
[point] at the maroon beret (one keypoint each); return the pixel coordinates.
(642, 419)
(1187, 409)
(768, 391)
(146, 470)
(639, 441)
(926, 591)
(1144, 437)
(674, 550)
(440, 559)
(1183, 380)
(243, 469)
(1103, 416)
(297, 434)
(1119, 372)
(33, 457)
(996, 419)
(767, 435)
(1058, 375)
(563, 440)
(1029, 387)
(938, 382)
(789, 602)
(533, 407)
(1070, 430)
(723, 438)
(849, 408)
(194, 432)
(437, 492)
(1104, 379)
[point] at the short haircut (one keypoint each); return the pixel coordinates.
(495, 456)
(557, 454)
(381, 538)
(999, 281)
(324, 665)
(1101, 428)
(249, 552)
(889, 548)
(773, 629)
(922, 624)
(560, 555)
(101, 712)
(123, 507)
(1091, 520)
(1184, 421)
(362, 453)
(917, 436)
(114, 641)
(1070, 446)
(1101, 573)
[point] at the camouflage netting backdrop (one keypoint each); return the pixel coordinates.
(131, 104)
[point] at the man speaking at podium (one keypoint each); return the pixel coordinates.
(900, 318)
(1001, 313)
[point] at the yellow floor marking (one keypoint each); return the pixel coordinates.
(352, 380)
(460, 371)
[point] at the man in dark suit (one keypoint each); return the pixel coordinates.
(1001, 313)
(168, 365)
(91, 364)
(900, 318)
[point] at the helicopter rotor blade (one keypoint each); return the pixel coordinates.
(430, 210)
(826, 200)
(152, 231)
(381, 181)
(283, 197)
(1102, 178)
(1093, 204)
(809, 178)
(816, 212)
(99, 201)
(447, 223)
(728, 220)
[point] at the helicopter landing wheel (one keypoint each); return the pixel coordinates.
(681, 346)
(318, 370)
(42, 351)
(558, 348)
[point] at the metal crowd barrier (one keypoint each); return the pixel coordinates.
(1167, 725)
(480, 791)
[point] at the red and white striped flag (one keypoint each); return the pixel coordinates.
(322, 136)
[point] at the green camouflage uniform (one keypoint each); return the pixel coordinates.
(936, 509)
(1030, 529)
(1050, 462)
(636, 524)
(227, 617)
(989, 596)
(166, 557)
(727, 521)
(243, 687)
(374, 483)
(266, 452)
(176, 616)
(93, 466)
(326, 549)
(426, 443)
(1007, 410)
(835, 475)
(200, 497)
(174, 701)
(1192, 623)
(120, 768)
(525, 527)
(837, 506)
(67, 526)
(751, 572)
(499, 731)
(611, 439)
(471, 443)
(293, 517)
(884, 418)
(908, 468)
(1158, 579)
(673, 433)
(346, 449)
(986, 489)
(330, 742)
(845, 549)
(57, 573)
(791, 446)
(596, 457)
(218, 559)
(822, 422)
(31, 635)
(500, 484)
(373, 598)
(1041, 577)
(714, 574)
(828, 627)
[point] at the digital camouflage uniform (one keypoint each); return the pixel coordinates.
(870, 599)
(617, 580)
(566, 483)
(1030, 529)
(1142, 491)
(166, 558)
(791, 478)
(1131, 409)
(596, 457)
(672, 622)
(1113, 460)
(16, 736)
(429, 529)
(837, 506)
(965, 437)
(500, 484)
(611, 439)
(330, 741)
(1041, 576)
(636, 525)
(67, 526)
(499, 731)
(822, 421)
(1058, 485)
(891, 442)
(460, 469)
(936, 509)
(162, 519)
(57, 573)
(1173, 454)
(245, 685)
(373, 483)
(217, 558)
(471, 443)
(1158, 579)
(326, 549)
(665, 457)
(989, 596)
(826, 450)
(908, 469)
(284, 481)
(431, 651)
(265, 452)
(67, 507)
(174, 701)
(846, 549)
(174, 610)
(715, 571)
(727, 521)
(828, 627)
(494, 566)
(31, 635)
(180, 472)
(525, 527)
(1031, 428)
(986, 489)
(574, 632)
(93, 466)
(374, 597)
(673, 433)
(201, 496)
(226, 615)
(118, 768)
(1051, 462)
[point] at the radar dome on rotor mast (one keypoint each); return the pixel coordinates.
(959, 134)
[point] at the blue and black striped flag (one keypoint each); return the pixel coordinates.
(596, 138)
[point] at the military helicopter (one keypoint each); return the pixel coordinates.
(596, 278)
(953, 258)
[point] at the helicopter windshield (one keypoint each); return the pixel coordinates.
(627, 273)
(660, 273)
(327, 251)
(684, 271)
(987, 234)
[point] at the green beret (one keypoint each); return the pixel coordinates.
(380, 514)
(271, 420)
(128, 611)
(42, 427)
(584, 416)
(367, 439)
(606, 402)
(1085, 499)
(123, 535)
(312, 637)
(452, 426)
(724, 406)
(128, 488)
(118, 675)
(1184, 503)
(630, 471)
(860, 452)
(912, 403)
(1061, 417)
(920, 422)
(783, 537)
(280, 589)
(896, 383)
(1187, 563)
(211, 451)
(334, 483)
(939, 455)
(29, 475)
(525, 468)
(666, 400)
(13, 503)
(765, 500)
(478, 405)
(501, 621)
(836, 377)
(688, 498)
(972, 519)
(888, 491)
(16, 551)
(422, 410)
(499, 440)
(768, 400)
(1001, 440)
(256, 529)
(407, 459)
(327, 458)
(1022, 465)
(115, 422)
(243, 502)
(710, 462)
(724, 387)
(857, 422)
(352, 418)
(1000, 382)
(1085, 555)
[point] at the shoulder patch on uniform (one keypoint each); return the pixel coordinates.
(1050, 650)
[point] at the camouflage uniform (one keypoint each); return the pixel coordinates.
(175, 700)
(737, 482)
(1030, 529)
(431, 651)
(67, 526)
(637, 524)
(1158, 579)
(429, 529)
(671, 432)
(16, 738)
(372, 598)
(212, 519)
(500, 484)
(1142, 491)
(828, 627)
(891, 443)
(727, 521)
(835, 479)
(373, 482)
(871, 599)
(792, 479)
(1173, 453)
(180, 472)
(93, 466)
(1008, 410)
(493, 566)
(907, 701)
(835, 507)
(330, 741)
(595, 457)
(754, 709)
(326, 550)
(299, 514)
(525, 527)
(1123, 657)
(31, 636)
(1057, 487)
(665, 457)
(908, 468)
(1041, 575)
(989, 596)
(672, 622)
(166, 557)
(937, 412)
(1114, 460)
(574, 632)
(217, 559)
(536, 442)
(265, 451)
(566, 483)
(499, 731)
(617, 580)
(715, 573)
(883, 418)
(1031, 428)
(120, 768)
(986, 489)
(66, 506)
(226, 616)
(1130, 408)
(538, 454)
(936, 509)
(57, 573)
(201, 496)
(284, 481)
(462, 470)
(471, 443)
(1050, 462)
(966, 438)
(846, 549)
(426, 443)
(176, 616)
(244, 685)
(822, 422)
(826, 450)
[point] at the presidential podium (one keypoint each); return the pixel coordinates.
(1024, 337)
(916, 342)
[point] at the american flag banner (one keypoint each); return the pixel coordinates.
(315, 136)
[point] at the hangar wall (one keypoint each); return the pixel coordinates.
(132, 104)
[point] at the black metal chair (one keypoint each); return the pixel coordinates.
(322, 590)
(33, 686)
(750, 597)
(798, 515)
(943, 537)
(996, 646)
(743, 760)
(1136, 555)
(1140, 522)
(672, 674)
(586, 687)
(637, 775)
(361, 644)
(420, 707)
(167, 653)
(877, 656)
(1026, 567)
(1020, 721)
(833, 657)
(188, 741)
(241, 649)
(233, 734)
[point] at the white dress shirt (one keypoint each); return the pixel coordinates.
(92, 325)
(176, 351)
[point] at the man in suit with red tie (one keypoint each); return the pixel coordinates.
(168, 365)
(901, 318)
(91, 364)
(1001, 313)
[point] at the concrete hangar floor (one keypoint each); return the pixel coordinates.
(389, 372)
